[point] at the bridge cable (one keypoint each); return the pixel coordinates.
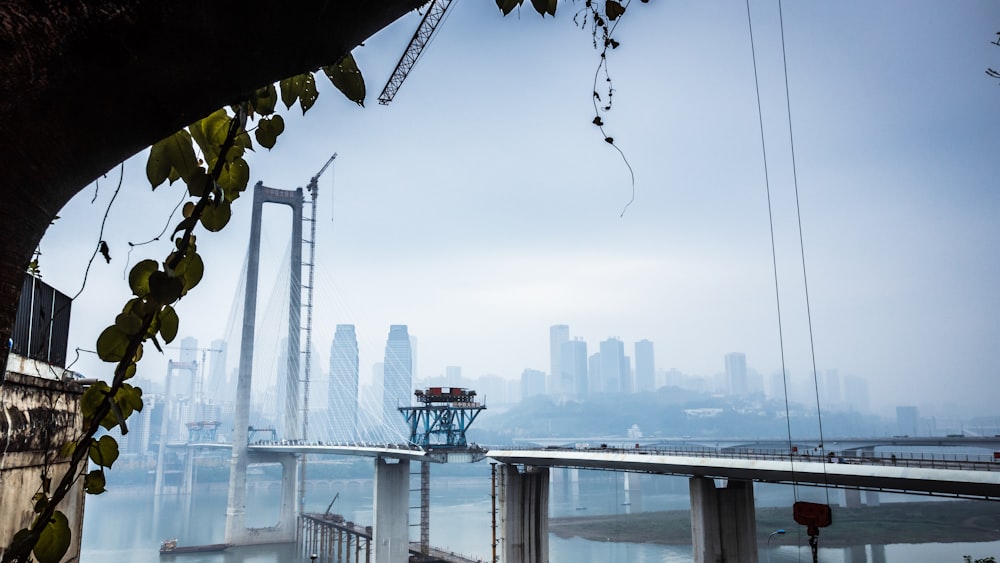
(802, 251)
(774, 254)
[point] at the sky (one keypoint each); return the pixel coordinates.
(482, 205)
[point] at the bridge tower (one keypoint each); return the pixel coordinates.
(236, 530)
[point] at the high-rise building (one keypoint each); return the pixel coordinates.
(908, 420)
(831, 388)
(217, 388)
(343, 389)
(573, 368)
(856, 392)
(558, 334)
(532, 383)
(398, 378)
(736, 373)
(645, 368)
(595, 383)
(614, 369)
(188, 354)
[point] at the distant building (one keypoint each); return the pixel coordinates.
(645, 368)
(573, 368)
(831, 388)
(596, 384)
(614, 369)
(342, 392)
(856, 393)
(532, 383)
(558, 334)
(189, 353)
(736, 373)
(908, 421)
(397, 378)
(217, 387)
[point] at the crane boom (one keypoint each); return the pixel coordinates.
(428, 25)
(315, 179)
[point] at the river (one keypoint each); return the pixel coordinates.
(122, 525)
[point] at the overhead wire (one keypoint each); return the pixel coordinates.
(774, 253)
(802, 249)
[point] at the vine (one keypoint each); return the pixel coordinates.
(214, 181)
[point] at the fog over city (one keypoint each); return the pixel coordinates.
(483, 206)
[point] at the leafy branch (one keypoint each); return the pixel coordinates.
(216, 180)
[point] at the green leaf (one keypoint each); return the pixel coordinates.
(41, 502)
(191, 269)
(545, 7)
(197, 182)
(130, 398)
(92, 399)
(613, 9)
(111, 344)
(180, 153)
(67, 449)
(94, 482)
(308, 93)
(210, 133)
(168, 324)
(215, 216)
(128, 323)
(158, 165)
(54, 539)
(234, 178)
(104, 452)
(268, 130)
(138, 277)
(290, 88)
(164, 288)
(507, 6)
(264, 100)
(346, 76)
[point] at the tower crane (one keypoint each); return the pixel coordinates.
(313, 188)
(423, 35)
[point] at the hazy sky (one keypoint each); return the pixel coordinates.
(482, 206)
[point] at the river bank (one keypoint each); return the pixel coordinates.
(909, 522)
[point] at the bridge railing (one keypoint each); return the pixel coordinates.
(902, 459)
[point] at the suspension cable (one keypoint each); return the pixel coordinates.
(774, 254)
(802, 250)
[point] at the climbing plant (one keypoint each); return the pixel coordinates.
(209, 157)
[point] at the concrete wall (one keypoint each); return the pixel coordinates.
(38, 416)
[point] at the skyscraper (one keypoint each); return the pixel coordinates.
(343, 389)
(532, 383)
(645, 368)
(614, 369)
(573, 368)
(558, 334)
(217, 387)
(736, 373)
(397, 377)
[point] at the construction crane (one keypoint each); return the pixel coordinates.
(421, 38)
(313, 188)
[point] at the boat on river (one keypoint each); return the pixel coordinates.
(170, 547)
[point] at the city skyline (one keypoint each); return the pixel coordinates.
(480, 215)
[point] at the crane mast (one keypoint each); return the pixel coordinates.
(425, 31)
(313, 189)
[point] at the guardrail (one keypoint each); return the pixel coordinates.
(903, 459)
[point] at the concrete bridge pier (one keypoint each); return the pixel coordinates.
(284, 531)
(723, 522)
(524, 513)
(391, 532)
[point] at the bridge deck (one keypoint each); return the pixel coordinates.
(973, 479)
